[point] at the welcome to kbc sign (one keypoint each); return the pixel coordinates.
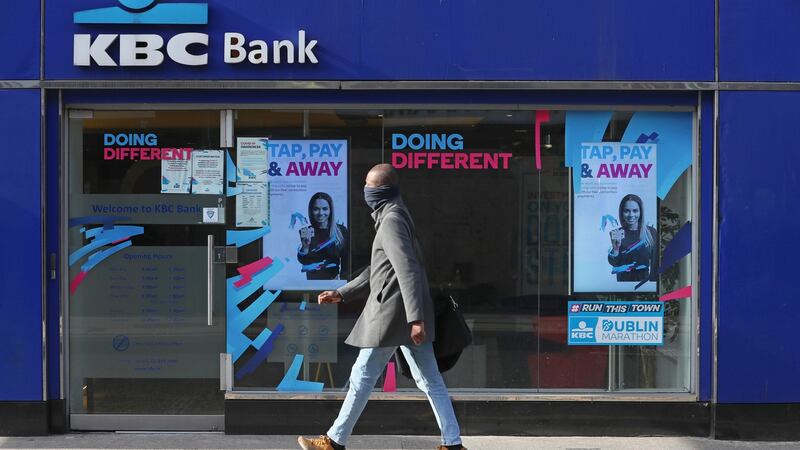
(189, 49)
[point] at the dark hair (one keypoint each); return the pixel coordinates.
(333, 227)
(644, 231)
(327, 198)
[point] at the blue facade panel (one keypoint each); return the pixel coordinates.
(20, 43)
(424, 40)
(21, 266)
(758, 185)
(52, 240)
(758, 40)
(707, 202)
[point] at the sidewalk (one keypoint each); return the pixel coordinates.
(222, 441)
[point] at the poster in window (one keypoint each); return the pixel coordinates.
(207, 171)
(251, 161)
(176, 176)
(615, 244)
(252, 205)
(308, 213)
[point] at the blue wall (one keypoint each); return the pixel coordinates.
(20, 40)
(431, 40)
(759, 312)
(758, 40)
(706, 241)
(52, 239)
(20, 267)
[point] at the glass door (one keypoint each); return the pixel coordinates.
(146, 288)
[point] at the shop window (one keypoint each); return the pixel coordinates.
(528, 249)
(500, 236)
(316, 333)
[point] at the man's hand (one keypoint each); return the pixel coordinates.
(418, 332)
(329, 297)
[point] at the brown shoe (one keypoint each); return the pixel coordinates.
(321, 443)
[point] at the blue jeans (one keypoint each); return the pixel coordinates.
(366, 370)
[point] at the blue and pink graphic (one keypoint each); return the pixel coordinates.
(673, 132)
(261, 355)
(291, 383)
(115, 236)
(676, 249)
(618, 184)
(541, 117)
(231, 189)
(251, 278)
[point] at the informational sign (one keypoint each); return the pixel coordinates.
(136, 315)
(615, 323)
(615, 244)
(308, 213)
(144, 209)
(251, 160)
(176, 176)
(208, 171)
(213, 215)
(252, 205)
(309, 330)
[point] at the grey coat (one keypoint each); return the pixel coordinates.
(397, 284)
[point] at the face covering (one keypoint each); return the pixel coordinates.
(378, 196)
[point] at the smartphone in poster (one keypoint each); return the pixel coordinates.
(615, 221)
(308, 213)
(251, 160)
(207, 171)
(252, 205)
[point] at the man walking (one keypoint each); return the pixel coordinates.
(398, 312)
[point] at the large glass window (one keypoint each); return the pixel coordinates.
(566, 237)
(605, 219)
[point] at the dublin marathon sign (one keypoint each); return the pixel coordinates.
(188, 49)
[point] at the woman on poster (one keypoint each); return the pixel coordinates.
(323, 244)
(634, 250)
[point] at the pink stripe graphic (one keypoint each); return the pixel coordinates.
(73, 285)
(249, 270)
(541, 116)
(390, 382)
(684, 292)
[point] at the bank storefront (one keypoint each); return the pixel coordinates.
(205, 169)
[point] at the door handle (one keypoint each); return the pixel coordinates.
(210, 279)
(52, 266)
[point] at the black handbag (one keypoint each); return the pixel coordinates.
(455, 333)
(452, 335)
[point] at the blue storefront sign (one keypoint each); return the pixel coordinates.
(615, 323)
(392, 40)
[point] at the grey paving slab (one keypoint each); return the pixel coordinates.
(222, 441)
